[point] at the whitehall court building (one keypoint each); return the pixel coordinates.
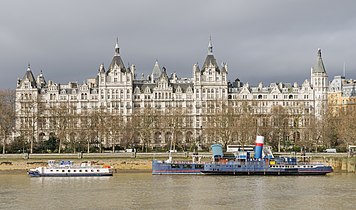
(117, 88)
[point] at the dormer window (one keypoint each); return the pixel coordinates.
(179, 89)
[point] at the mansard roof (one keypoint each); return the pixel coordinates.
(143, 85)
(210, 59)
(184, 87)
(319, 66)
(117, 61)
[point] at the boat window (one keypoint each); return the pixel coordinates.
(80, 170)
(187, 166)
(74, 170)
(92, 170)
(199, 166)
(51, 170)
(68, 171)
(175, 166)
(98, 170)
(62, 170)
(57, 170)
(86, 170)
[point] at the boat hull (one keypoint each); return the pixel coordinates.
(69, 172)
(176, 168)
(267, 173)
(67, 175)
(259, 168)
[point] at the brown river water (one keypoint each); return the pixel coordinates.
(144, 191)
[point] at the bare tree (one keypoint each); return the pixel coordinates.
(117, 129)
(61, 114)
(88, 131)
(332, 137)
(7, 116)
(347, 126)
(73, 127)
(280, 126)
(247, 125)
(128, 132)
(99, 128)
(174, 121)
(147, 119)
(223, 123)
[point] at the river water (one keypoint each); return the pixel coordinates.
(144, 191)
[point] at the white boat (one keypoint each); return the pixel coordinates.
(68, 169)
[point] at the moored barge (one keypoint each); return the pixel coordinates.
(262, 163)
(242, 163)
(68, 169)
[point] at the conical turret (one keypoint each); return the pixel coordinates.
(28, 77)
(210, 60)
(116, 60)
(319, 65)
(156, 71)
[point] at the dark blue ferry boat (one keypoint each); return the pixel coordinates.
(242, 163)
(165, 167)
(281, 166)
(176, 167)
(262, 163)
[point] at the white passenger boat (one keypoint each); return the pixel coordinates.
(67, 168)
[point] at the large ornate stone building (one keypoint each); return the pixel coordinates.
(118, 89)
(342, 95)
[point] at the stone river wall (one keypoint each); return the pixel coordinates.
(141, 162)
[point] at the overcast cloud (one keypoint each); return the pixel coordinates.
(268, 41)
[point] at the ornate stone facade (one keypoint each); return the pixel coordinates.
(119, 90)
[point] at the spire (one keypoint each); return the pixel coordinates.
(28, 67)
(210, 47)
(210, 60)
(319, 66)
(156, 71)
(116, 60)
(117, 49)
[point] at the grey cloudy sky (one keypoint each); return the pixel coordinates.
(268, 41)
